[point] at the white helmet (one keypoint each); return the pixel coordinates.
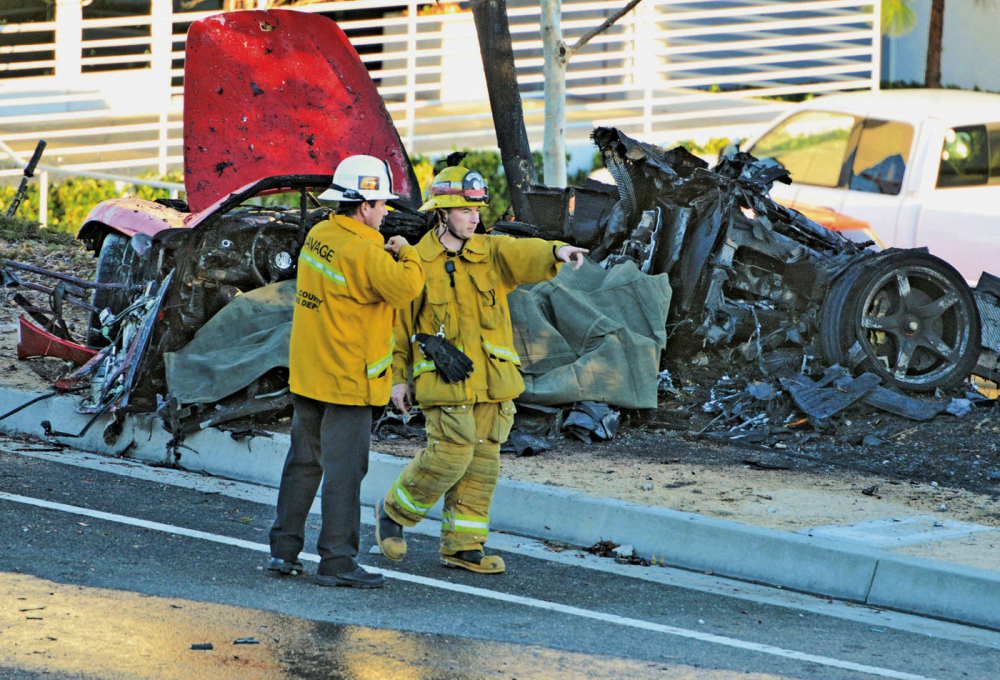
(360, 178)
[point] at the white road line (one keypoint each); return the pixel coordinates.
(487, 594)
(668, 576)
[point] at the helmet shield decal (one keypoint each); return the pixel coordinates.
(474, 186)
(368, 183)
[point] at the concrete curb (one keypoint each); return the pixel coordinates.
(813, 565)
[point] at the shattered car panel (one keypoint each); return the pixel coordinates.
(279, 93)
(132, 216)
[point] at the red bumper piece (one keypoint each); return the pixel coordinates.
(32, 341)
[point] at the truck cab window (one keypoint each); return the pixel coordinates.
(994, 140)
(881, 157)
(964, 157)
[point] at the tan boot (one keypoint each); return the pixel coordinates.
(474, 560)
(389, 534)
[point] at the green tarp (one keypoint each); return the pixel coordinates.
(245, 340)
(590, 334)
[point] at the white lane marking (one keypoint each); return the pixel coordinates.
(482, 592)
(529, 547)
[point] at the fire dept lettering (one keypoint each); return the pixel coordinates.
(307, 299)
(320, 248)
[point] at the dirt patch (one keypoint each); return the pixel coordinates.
(38, 374)
(723, 482)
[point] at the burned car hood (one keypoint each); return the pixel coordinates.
(279, 92)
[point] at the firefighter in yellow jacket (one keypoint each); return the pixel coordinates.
(347, 287)
(463, 310)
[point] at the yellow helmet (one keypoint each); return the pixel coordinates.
(457, 187)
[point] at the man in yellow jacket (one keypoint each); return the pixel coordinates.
(347, 287)
(465, 302)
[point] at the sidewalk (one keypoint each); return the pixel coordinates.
(816, 564)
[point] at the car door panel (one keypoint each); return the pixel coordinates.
(876, 175)
(961, 226)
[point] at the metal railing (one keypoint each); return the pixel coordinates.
(43, 172)
(667, 67)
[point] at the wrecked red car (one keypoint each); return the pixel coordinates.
(273, 101)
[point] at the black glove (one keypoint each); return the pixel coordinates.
(451, 363)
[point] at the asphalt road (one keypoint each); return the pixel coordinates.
(114, 570)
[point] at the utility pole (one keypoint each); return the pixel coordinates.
(505, 101)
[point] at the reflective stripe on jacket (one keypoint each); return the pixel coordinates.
(470, 308)
(347, 287)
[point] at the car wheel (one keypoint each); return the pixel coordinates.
(908, 317)
(114, 265)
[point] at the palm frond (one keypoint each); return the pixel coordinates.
(898, 17)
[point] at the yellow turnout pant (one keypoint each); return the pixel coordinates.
(461, 462)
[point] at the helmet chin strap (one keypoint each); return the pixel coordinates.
(443, 222)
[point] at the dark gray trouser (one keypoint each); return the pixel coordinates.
(330, 443)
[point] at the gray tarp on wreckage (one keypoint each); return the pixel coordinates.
(590, 334)
(246, 339)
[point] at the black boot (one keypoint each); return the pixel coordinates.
(357, 578)
(389, 534)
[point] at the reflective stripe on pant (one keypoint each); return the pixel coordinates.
(461, 463)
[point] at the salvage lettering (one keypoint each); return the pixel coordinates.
(320, 248)
(307, 299)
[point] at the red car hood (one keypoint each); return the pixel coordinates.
(279, 92)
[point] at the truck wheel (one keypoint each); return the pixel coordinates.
(114, 265)
(910, 318)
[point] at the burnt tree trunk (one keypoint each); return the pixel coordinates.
(932, 74)
(505, 101)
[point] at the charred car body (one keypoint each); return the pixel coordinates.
(275, 99)
(742, 266)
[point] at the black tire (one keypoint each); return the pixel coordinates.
(114, 265)
(835, 332)
(908, 317)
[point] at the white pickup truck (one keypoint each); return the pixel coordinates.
(902, 168)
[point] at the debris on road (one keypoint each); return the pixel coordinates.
(521, 444)
(588, 419)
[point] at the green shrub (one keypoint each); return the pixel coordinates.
(29, 205)
(710, 148)
(149, 193)
(72, 199)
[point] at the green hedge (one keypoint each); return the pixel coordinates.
(71, 200)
